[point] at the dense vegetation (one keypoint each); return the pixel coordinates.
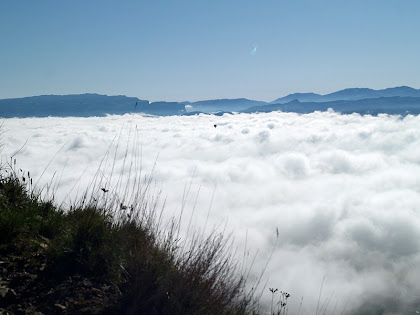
(103, 257)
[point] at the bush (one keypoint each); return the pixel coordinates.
(133, 251)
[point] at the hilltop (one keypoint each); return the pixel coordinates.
(102, 257)
(84, 105)
(349, 94)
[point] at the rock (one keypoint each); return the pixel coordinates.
(43, 245)
(62, 307)
(7, 295)
(3, 291)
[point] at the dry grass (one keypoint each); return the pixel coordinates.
(116, 231)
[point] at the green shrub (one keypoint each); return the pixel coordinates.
(129, 247)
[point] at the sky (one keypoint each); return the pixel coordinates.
(196, 50)
(343, 191)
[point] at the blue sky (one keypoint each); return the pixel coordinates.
(194, 50)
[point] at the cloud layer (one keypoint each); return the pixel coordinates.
(343, 190)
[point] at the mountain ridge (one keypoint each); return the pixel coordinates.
(350, 94)
(229, 104)
(83, 105)
(395, 105)
(397, 100)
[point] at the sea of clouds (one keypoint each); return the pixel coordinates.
(343, 191)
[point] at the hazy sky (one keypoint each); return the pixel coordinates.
(193, 50)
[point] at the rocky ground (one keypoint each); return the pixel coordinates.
(28, 287)
(85, 261)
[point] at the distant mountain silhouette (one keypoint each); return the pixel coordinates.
(163, 108)
(373, 106)
(301, 97)
(236, 104)
(399, 100)
(83, 105)
(350, 94)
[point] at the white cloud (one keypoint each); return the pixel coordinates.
(343, 190)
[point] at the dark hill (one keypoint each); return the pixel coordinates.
(224, 105)
(373, 106)
(83, 105)
(350, 94)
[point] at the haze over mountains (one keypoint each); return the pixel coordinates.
(83, 105)
(350, 94)
(224, 105)
(398, 100)
(396, 105)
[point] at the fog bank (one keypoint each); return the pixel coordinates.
(342, 190)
